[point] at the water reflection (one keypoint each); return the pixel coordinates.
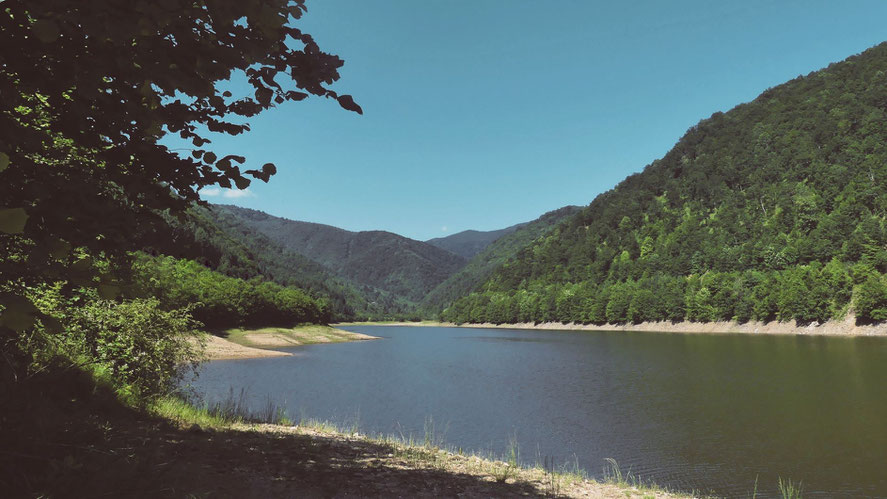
(703, 412)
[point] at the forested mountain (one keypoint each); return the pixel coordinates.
(403, 267)
(471, 242)
(219, 241)
(492, 257)
(221, 301)
(773, 210)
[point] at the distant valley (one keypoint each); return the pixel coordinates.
(363, 275)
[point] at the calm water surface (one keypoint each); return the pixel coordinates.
(693, 412)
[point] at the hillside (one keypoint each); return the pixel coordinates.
(774, 210)
(492, 257)
(406, 268)
(219, 241)
(469, 243)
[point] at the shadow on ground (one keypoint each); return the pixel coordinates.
(63, 437)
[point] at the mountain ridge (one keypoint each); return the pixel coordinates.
(469, 243)
(773, 210)
(493, 256)
(382, 259)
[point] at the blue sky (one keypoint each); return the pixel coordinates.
(481, 114)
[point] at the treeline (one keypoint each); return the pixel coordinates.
(402, 267)
(214, 237)
(483, 264)
(776, 209)
(806, 293)
(217, 300)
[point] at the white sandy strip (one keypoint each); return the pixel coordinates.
(843, 327)
(220, 348)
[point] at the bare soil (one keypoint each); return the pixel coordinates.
(219, 348)
(256, 343)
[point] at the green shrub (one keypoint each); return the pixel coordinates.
(140, 344)
(871, 300)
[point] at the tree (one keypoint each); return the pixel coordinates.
(87, 89)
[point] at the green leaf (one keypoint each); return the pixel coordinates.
(108, 291)
(4, 161)
(45, 30)
(19, 314)
(347, 102)
(51, 324)
(234, 157)
(263, 95)
(17, 320)
(82, 266)
(12, 220)
(60, 248)
(268, 169)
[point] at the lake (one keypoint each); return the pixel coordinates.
(689, 411)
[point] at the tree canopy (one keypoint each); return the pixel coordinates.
(775, 209)
(88, 89)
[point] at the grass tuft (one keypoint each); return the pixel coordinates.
(790, 490)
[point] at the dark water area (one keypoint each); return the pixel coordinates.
(709, 413)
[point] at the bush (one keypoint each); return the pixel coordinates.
(220, 301)
(871, 300)
(140, 344)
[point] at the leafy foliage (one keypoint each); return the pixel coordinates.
(219, 301)
(136, 344)
(494, 255)
(469, 243)
(89, 89)
(773, 210)
(140, 344)
(219, 241)
(394, 264)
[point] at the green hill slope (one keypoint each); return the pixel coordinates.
(406, 268)
(219, 241)
(491, 258)
(469, 243)
(773, 210)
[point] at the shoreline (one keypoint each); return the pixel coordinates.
(846, 327)
(221, 349)
(260, 343)
(323, 459)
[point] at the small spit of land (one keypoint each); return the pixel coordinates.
(238, 343)
(847, 326)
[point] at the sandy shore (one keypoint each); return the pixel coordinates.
(256, 343)
(845, 327)
(220, 348)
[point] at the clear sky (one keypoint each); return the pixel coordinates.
(479, 114)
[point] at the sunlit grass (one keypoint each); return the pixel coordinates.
(790, 490)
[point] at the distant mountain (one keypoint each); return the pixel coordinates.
(774, 210)
(471, 242)
(406, 268)
(220, 241)
(512, 240)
